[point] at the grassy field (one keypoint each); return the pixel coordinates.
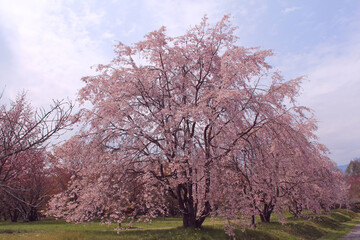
(328, 227)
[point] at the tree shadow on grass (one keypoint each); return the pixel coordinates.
(304, 230)
(205, 233)
(326, 222)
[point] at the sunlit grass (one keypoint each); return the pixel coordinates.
(330, 226)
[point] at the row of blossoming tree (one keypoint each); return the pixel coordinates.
(352, 174)
(197, 124)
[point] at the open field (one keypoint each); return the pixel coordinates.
(332, 226)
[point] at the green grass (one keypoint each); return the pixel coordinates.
(327, 226)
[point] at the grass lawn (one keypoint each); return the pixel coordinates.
(331, 226)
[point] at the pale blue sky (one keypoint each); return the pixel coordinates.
(47, 46)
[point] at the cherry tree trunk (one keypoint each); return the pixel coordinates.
(14, 215)
(188, 209)
(33, 216)
(265, 214)
(265, 217)
(297, 211)
(191, 221)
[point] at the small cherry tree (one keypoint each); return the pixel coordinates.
(168, 118)
(28, 192)
(24, 135)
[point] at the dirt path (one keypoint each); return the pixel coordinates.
(354, 234)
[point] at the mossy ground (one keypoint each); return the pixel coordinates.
(326, 226)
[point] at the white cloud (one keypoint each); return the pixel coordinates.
(52, 47)
(108, 35)
(332, 91)
(290, 9)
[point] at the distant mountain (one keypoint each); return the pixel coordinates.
(342, 167)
